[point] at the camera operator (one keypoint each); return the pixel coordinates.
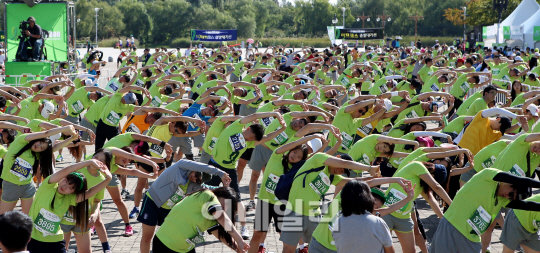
(32, 37)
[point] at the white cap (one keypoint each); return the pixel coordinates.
(513, 55)
(518, 58)
(388, 105)
(315, 144)
(533, 109)
(537, 54)
(88, 82)
(48, 108)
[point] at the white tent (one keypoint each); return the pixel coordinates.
(528, 28)
(520, 15)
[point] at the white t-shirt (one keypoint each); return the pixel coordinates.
(2, 59)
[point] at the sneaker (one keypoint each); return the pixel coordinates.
(261, 249)
(134, 213)
(129, 231)
(125, 194)
(244, 232)
(304, 250)
(251, 205)
(59, 158)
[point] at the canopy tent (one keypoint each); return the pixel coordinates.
(525, 10)
(528, 28)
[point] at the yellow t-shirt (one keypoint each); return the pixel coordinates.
(479, 134)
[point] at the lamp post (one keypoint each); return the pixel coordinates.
(500, 7)
(334, 20)
(383, 18)
(96, 9)
(363, 17)
(464, 17)
(416, 18)
(343, 9)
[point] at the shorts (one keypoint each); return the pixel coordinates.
(140, 98)
(72, 228)
(87, 124)
(247, 154)
(465, 177)
(149, 168)
(118, 60)
(205, 157)
(151, 214)
(236, 108)
(514, 234)
(398, 224)
(184, 143)
(74, 120)
(247, 110)
(114, 181)
(158, 246)
(296, 226)
(317, 247)
(233, 174)
(266, 212)
(36, 246)
(260, 155)
(12, 192)
(447, 239)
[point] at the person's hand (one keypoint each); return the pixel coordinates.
(404, 183)
(281, 120)
(403, 93)
(155, 169)
(449, 138)
(226, 179)
(92, 219)
(375, 171)
(26, 129)
(304, 107)
(522, 119)
(71, 131)
(202, 125)
(243, 246)
(28, 33)
(147, 93)
(410, 192)
(59, 99)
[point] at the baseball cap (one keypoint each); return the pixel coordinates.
(440, 174)
(130, 98)
(533, 109)
(518, 58)
(214, 109)
(461, 60)
(315, 144)
(88, 82)
(48, 108)
(387, 105)
(379, 193)
(537, 54)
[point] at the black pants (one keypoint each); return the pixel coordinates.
(233, 174)
(236, 108)
(35, 246)
(159, 247)
(104, 132)
(457, 104)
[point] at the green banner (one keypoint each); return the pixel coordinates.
(51, 17)
(506, 32)
(484, 32)
(536, 34)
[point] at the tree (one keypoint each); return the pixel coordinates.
(480, 12)
(138, 22)
(454, 15)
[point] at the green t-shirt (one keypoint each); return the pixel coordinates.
(403, 85)
(157, 97)
(346, 79)
(487, 156)
(473, 208)
(317, 184)
(496, 69)
(530, 220)
(30, 112)
(94, 112)
(47, 219)
(364, 150)
(503, 75)
(274, 169)
(78, 102)
(115, 110)
(513, 158)
(519, 100)
(282, 138)
(119, 141)
(414, 111)
(432, 85)
(348, 127)
(401, 148)
(411, 157)
(91, 181)
(186, 222)
(174, 105)
(205, 86)
(323, 232)
(18, 170)
(478, 105)
(379, 87)
(460, 87)
(395, 193)
(425, 72)
(462, 111)
(230, 145)
(212, 135)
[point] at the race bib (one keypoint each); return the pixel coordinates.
(390, 72)
(47, 223)
(174, 68)
(237, 142)
(347, 140)
(395, 196)
(193, 124)
(321, 184)
(383, 88)
(176, 197)
(479, 221)
(495, 71)
(271, 183)
(489, 162)
(266, 121)
(212, 143)
(156, 102)
(465, 87)
(366, 130)
(345, 81)
(197, 239)
(113, 86)
(281, 138)
(411, 114)
(364, 159)
(430, 73)
(167, 72)
(199, 85)
(139, 83)
(22, 169)
(156, 149)
(68, 217)
(77, 107)
(113, 118)
(132, 128)
(434, 87)
(517, 171)
(333, 225)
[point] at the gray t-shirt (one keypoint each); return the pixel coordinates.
(372, 238)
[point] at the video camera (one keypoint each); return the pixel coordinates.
(24, 26)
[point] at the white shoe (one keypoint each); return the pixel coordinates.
(244, 232)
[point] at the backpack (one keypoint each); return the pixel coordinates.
(285, 182)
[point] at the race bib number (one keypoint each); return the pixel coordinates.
(212, 143)
(266, 121)
(174, 68)
(495, 71)
(113, 118)
(139, 83)
(132, 128)
(176, 197)
(281, 138)
(430, 73)
(479, 221)
(271, 183)
(197, 239)
(395, 196)
(237, 142)
(364, 159)
(22, 169)
(321, 184)
(506, 78)
(68, 217)
(113, 86)
(345, 81)
(383, 88)
(168, 72)
(193, 124)
(258, 100)
(47, 223)
(434, 87)
(366, 130)
(77, 107)
(465, 87)
(199, 85)
(347, 140)
(517, 171)
(156, 102)
(333, 225)
(156, 149)
(390, 72)
(411, 114)
(489, 162)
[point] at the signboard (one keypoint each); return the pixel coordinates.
(213, 35)
(506, 32)
(516, 32)
(484, 32)
(536, 34)
(331, 35)
(360, 34)
(51, 17)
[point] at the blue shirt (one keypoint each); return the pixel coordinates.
(195, 109)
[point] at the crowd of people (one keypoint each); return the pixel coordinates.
(458, 128)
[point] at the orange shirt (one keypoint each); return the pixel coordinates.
(479, 134)
(136, 124)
